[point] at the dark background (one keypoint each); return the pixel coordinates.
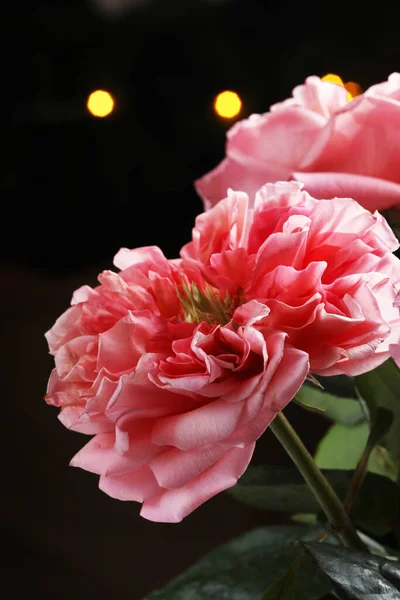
(74, 189)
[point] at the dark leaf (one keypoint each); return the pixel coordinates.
(339, 385)
(284, 588)
(283, 489)
(381, 388)
(247, 566)
(357, 575)
(381, 425)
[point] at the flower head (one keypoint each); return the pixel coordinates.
(174, 391)
(336, 147)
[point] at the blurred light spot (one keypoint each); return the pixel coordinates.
(227, 104)
(353, 89)
(100, 103)
(333, 79)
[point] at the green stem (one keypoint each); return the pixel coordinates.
(321, 489)
(357, 480)
(383, 421)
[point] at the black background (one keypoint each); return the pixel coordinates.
(74, 189)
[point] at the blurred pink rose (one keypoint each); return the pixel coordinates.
(323, 269)
(395, 353)
(336, 147)
(395, 347)
(174, 391)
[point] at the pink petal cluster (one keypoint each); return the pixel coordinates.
(175, 404)
(178, 366)
(335, 147)
(324, 269)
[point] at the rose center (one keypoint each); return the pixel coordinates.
(207, 304)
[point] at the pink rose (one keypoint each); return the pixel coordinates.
(336, 147)
(323, 269)
(395, 347)
(174, 391)
(178, 366)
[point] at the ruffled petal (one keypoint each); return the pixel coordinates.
(172, 506)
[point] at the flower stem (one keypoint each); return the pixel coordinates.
(327, 498)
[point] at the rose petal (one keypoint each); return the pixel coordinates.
(173, 505)
(394, 350)
(121, 347)
(202, 426)
(175, 468)
(135, 485)
(371, 192)
(100, 456)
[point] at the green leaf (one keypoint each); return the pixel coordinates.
(310, 518)
(357, 575)
(280, 489)
(245, 567)
(375, 508)
(284, 588)
(381, 425)
(342, 410)
(342, 448)
(381, 462)
(283, 489)
(381, 388)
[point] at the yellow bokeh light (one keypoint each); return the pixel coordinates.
(100, 103)
(333, 79)
(227, 104)
(353, 89)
